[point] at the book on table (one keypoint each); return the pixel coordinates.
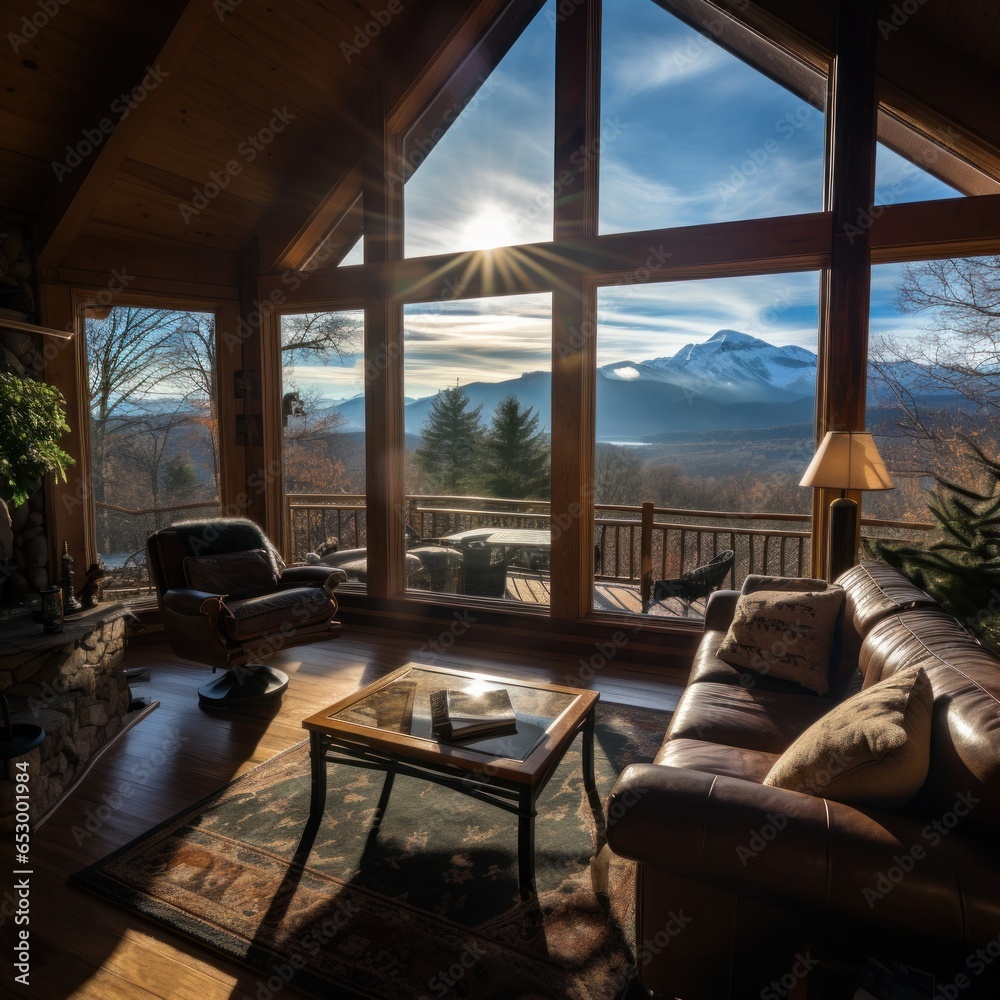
(461, 715)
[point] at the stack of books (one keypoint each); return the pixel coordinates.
(458, 715)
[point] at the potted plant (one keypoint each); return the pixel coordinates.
(34, 423)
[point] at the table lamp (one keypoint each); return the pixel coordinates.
(845, 460)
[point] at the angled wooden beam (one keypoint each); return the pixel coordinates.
(433, 56)
(170, 29)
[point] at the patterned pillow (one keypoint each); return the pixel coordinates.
(785, 634)
(233, 574)
(872, 750)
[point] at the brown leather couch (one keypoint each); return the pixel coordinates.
(745, 890)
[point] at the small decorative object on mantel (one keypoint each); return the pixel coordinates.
(90, 593)
(70, 604)
(52, 610)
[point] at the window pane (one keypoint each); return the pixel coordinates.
(485, 175)
(934, 410)
(478, 386)
(691, 134)
(934, 350)
(154, 433)
(705, 403)
(899, 180)
(323, 437)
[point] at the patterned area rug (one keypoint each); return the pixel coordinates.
(428, 908)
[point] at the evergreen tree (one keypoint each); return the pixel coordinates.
(450, 442)
(960, 565)
(515, 461)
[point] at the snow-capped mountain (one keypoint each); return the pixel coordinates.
(729, 367)
(731, 380)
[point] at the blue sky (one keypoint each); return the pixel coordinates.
(690, 135)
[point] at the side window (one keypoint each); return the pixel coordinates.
(154, 432)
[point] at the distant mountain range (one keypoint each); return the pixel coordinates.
(732, 380)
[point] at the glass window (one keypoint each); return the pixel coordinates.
(323, 437)
(478, 387)
(898, 180)
(705, 412)
(485, 172)
(154, 431)
(934, 351)
(692, 134)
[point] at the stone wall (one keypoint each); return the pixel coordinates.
(72, 685)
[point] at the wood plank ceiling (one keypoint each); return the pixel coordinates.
(248, 116)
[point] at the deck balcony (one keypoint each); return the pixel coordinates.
(633, 545)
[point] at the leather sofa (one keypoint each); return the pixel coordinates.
(744, 890)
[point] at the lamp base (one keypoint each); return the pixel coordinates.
(842, 537)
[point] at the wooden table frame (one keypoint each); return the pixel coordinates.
(512, 785)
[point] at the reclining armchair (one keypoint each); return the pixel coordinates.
(227, 598)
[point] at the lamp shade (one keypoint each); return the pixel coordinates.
(847, 460)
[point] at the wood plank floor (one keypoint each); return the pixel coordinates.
(83, 948)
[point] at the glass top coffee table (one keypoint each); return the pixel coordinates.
(387, 726)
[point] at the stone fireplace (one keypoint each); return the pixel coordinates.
(72, 685)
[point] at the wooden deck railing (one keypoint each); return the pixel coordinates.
(634, 544)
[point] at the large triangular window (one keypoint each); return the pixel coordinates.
(692, 134)
(478, 166)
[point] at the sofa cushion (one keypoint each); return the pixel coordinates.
(714, 758)
(965, 727)
(785, 634)
(875, 591)
(296, 608)
(737, 716)
(233, 574)
(872, 750)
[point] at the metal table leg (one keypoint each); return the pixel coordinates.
(526, 842)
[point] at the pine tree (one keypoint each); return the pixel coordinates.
(450, 441)
(960, 565)
(516, 454)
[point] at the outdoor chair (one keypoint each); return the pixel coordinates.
(696, 583)
(227, 598)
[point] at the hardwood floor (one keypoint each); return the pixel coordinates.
(83, 948)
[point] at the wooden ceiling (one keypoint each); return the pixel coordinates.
(251, 116)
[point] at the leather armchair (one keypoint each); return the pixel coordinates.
(227, 598)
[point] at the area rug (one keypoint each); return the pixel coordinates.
(428, 908)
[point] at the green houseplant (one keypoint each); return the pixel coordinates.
(34, 422)
(959, 565)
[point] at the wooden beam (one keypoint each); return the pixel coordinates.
(850, 192)
(755, 246)
(384, 434)
(574, 309)
(172, 28)
(952, 227)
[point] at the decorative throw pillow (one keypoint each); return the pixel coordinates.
(234, 574)
(785, 634)
(871, 750)
(757, 581)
